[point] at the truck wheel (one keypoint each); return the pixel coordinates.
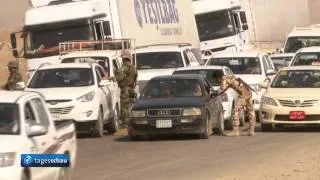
(219, 129)
(266, 127)
(208, 129)
(114, 124)
(64, 173)
(98, 127)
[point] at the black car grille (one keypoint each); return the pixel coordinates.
(164, 112)
(286, 118)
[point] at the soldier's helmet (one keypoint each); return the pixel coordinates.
(13, 64)
(125, 54)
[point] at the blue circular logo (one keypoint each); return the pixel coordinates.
(28, 160)
(138, 12)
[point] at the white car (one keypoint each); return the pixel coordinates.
(292, 98)
(229, 98)
(77, 91)
(252, 67)
(306, 56)
(26, 127)
(157, 60)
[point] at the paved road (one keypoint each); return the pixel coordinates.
(286, 154)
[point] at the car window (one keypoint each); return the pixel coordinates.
(186, 58)
(238, 65)
(207, 86)
(228, 71)
(115, 65)
(197, 54)
(265, 64)
(29, 114)
(41, 112)
(101, 72)
(99, 76)
(270, 66)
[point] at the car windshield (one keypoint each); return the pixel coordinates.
(297, 79)
(293, 44)
(169, 88)
(306, 59)
(159, 60)
(62, 77)
(9, 118)
(214, 25)
(239, 65)
(211, 74)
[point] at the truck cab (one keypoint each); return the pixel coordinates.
(222, 26)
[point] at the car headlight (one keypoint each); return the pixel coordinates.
(268, 101)
(87, 97)
(256, 87)
(138, 113)
(191, 112)
(224, 97)
(7, 159)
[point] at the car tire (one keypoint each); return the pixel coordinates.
(114, 124)
(229, 122)
(98, 127)
(266, 127)
(64, 174)
(208, 129)
(219, 129)
(132, 137)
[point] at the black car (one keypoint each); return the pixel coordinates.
(177, 104)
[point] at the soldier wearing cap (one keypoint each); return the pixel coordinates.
(126, 78)
(14, 76)
(244, 101)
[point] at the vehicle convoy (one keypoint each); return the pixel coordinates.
(26, 127)
(78, 92)
(292, 98)
(222, 26)
(177, 104)
(252, 67)
(306, 56)
(229, 98)
(299, 37)
(149, 23)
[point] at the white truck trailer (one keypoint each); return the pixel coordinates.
(148, 22)
(222, 26)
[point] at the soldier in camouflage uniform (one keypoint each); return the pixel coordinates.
(244, 101)
(126, 78)
(14, 76)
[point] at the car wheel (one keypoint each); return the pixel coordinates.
(208, 129)
(266, 127)
(114, 124)
(219, 129)
(64, 173)
(229, 122)
(98, 127)
(132, 136)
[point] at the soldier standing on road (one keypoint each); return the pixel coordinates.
(14, 76)
(126, 78)
(244, 101)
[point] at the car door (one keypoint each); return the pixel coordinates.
(103, 92)
(212, 104)
(36, 114)
(115, 90)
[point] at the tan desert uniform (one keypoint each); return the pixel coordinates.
(244, 101)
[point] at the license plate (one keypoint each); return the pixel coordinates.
(297, 115)
(163, 124)
(56, 116)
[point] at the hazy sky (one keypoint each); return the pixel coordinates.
(12, 14)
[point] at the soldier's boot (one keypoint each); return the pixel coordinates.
(249, 132)
(234, 132)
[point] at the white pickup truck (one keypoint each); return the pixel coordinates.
(26, 127)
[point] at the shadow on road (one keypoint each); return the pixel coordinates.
(181, 137)
(292, 129)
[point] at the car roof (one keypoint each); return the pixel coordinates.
(180, 76)
(161, 48)
(96, 53)
(67, 65)
(309, 49)
(238, 54)
(199, 68)
(13, 96)
(309, 67)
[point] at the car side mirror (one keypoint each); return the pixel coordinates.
(105, 83)
(36, 130)
(271, 72)
(20, 86)
(264, 84)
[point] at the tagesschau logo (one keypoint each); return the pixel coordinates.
(156, 12)
(45, 160)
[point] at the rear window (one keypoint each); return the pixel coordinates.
(211, 74)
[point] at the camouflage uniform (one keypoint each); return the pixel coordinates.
(14, 76)
(244, 101)
(126, 78)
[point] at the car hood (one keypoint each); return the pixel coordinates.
(169, 102)
(251, 79)
(147, 74)
(293, 93)
(7, 145)
(63, 93)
